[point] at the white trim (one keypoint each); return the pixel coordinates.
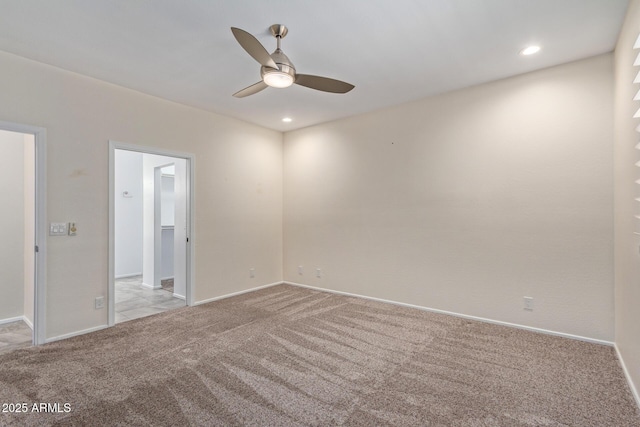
(11, 320)
(191, 227)
(75, 334)
(145, 285)
(157, 226)
(190, 252)
(28, 322)
(237, 293)
(464, 316)
(40, 291)
(634, 390)
(17, 319)
(124, 276)
(166, 278)
(111, 284)
(182, 297)
(40, 310)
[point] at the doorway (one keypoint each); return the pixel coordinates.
(23, 237)
(150, 215)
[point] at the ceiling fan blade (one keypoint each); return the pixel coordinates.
(253, 47)
(323, 83)
(254, 88)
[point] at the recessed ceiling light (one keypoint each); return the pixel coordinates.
(287, 120)
(530, 50)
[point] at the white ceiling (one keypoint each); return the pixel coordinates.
(392, 51)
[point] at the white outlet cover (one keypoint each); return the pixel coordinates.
(528, 303)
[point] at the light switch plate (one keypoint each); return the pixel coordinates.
(58, 229)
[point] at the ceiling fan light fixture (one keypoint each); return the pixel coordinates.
(278, 79)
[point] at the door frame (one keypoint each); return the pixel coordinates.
(40, 226)
(190, 247)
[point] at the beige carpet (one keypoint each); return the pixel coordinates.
(286, 356)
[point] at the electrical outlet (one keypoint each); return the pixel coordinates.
(300, 270)
(318, 272)
(528, 303)
(252, 272)
(99, 302)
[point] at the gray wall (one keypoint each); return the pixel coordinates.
(12, 229)
(128, 213)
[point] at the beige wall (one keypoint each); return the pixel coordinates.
(466, 202)
(12, 229)
(238, 184)
(627, 244)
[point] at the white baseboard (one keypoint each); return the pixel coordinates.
(166, 278)
(632, 386)
(124, 276)
(464, 316)
(11, 320)
(144, 285)
(73, 334)
(182, 297)
(28, 322)
(236, 293)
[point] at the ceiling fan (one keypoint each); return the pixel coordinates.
(277, 70)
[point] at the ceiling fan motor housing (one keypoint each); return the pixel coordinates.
(286, 71)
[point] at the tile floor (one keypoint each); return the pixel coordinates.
(14, 335)
(133, 301)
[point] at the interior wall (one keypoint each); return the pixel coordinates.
(152, 175)
(29, 217)
(167, 263)
(238, 184)
(12, 220)
(128, 213)
(168, 207)
(168, 203)
(627, 241)
(466, 202)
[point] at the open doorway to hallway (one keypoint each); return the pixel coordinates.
(17, 240)
(150, 233)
